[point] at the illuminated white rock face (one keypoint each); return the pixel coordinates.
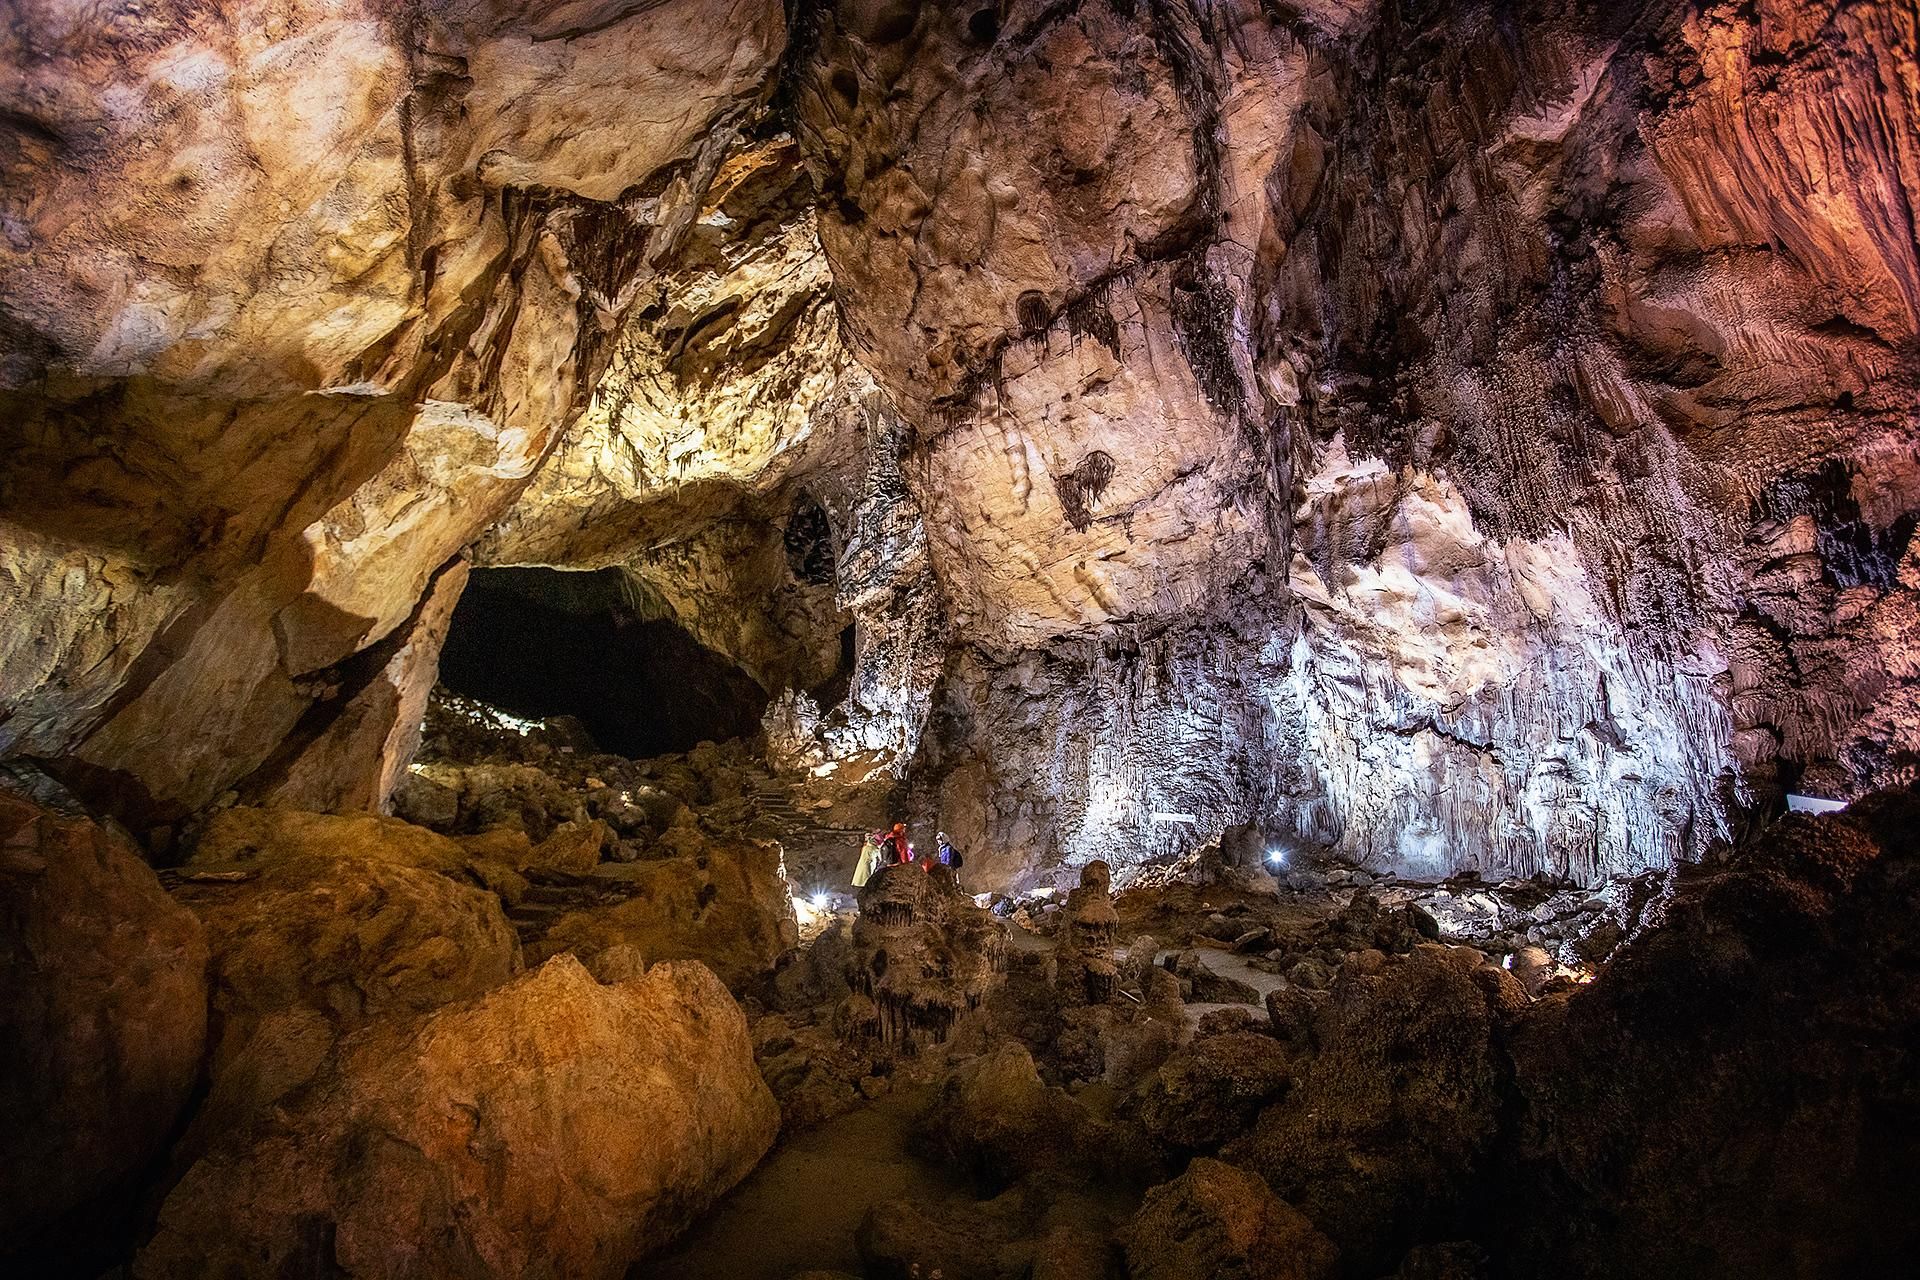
(1447, 487)
(1455, 702)
(1458, 701)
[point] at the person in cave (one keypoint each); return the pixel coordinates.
(894, 845)
(869, 861)
(949, 857)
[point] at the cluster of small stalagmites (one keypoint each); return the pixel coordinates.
(923, 959)
(1083, 948)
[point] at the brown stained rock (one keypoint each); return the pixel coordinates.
(1233, 1019)
(250, 838)
(1393, 1115)
(347, 937)
(103, 1011)
(1292, 1012)
(724, 902)
(996, 1119)
(1533, 968)
(1161, 991)
(423, 801)
(503, 846)
(511, 887)
(1132, 1046)
(1073, 1252)
(1210, 1091)
(1046, 1228)
(1218, 1221)
(554, 1126)
(573, 848)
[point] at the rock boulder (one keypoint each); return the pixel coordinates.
(1218, 1221)
(554, 1126)
(724, 902)
(1394, 1114)
(103, 1011)
(349, 938)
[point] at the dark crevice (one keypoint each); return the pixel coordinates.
(809, 543)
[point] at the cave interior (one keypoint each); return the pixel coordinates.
(854, 640)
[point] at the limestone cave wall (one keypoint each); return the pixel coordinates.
(1449, 435)
(1479, 436)
(298, 299)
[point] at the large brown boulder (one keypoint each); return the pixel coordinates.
(1210, 1091)
(341, 940)
(724, 902)
(103, 1011)
(553, 1127)
(998, 1120)
(1395, 1113)
(1223, 1223)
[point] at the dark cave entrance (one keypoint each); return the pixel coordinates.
(543, 642)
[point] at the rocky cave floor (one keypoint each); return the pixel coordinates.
(1217, 1071)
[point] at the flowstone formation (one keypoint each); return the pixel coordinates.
(924, 958)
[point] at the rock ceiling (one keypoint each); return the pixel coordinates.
(1451, 436)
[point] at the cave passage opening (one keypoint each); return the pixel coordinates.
(547, 642)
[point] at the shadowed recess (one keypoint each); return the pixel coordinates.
(542, 642)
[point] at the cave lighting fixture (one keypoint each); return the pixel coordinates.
(1813, 804)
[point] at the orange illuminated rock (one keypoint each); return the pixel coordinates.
(555, 1126)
